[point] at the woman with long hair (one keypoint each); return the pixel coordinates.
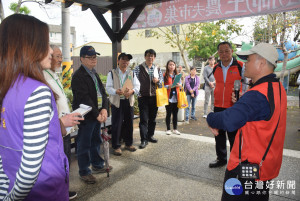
(172, 108)
(33, 165)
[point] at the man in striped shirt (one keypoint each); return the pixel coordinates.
(149, 76)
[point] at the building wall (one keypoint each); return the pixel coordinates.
(137, 43)
(104, 64)
(105, 49)
(55, 35)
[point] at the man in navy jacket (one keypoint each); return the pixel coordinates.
(88, 89)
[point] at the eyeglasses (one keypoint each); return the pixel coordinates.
(224, 52)
(91, 58)
(150, 55)
(58, 56)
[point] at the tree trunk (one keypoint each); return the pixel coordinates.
(2, 16)
(187, 67)
(181, 49)
(269, 35)
(274, 36)
(297, 36)
(285, 53)
(19, 6)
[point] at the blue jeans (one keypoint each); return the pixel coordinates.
(187, 110)
(88, 146)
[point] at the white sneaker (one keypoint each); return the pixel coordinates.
(168, 132)
(176, 132)
(205, 116)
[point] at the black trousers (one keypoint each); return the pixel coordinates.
(171, 109)
(221, 149)
(67, 147)
(252, 190)
(148, 112)
(122, 124)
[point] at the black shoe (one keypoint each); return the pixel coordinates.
(72, 195)
(143, 144)
(194, 118)
(152, 139)
(217, 163)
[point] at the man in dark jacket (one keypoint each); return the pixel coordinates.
(88, 89)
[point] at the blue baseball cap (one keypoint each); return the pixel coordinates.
(88, 50)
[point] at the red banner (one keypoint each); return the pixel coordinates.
(189, 11)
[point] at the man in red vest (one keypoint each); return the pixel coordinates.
(225, 72)
(260, 116)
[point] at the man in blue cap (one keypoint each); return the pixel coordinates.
(88, 89)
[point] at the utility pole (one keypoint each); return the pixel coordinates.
(67, 63)
(116, 45)
(1, 11)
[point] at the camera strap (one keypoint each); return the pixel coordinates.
(240, 141)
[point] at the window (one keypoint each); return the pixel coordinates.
(126, 37)
(176, 29)
(148, 33)
(176, 57)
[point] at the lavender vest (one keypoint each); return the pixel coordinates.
(197, 82)
(53, 180)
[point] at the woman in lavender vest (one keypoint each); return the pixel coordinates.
(192, 83)
(33, 165)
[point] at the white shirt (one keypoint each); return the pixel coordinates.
(110, 84)
(55, 84)
(225, 69)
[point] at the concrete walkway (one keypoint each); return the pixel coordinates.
(176, 168)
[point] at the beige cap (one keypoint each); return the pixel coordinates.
(265, 50)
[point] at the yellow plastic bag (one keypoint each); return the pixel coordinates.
(161, 96)
(182, 100)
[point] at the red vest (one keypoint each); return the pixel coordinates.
(170, 82)
(256, 137)
(223, 91)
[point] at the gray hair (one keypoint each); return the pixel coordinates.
(54, 47)
(270, 65)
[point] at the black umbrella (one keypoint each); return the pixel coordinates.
(106, 137)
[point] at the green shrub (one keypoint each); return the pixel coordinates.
(69, 95)
(103, 78)
(136, 109)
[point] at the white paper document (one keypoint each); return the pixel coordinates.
(83, 109)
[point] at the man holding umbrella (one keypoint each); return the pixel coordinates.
(88, 89)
